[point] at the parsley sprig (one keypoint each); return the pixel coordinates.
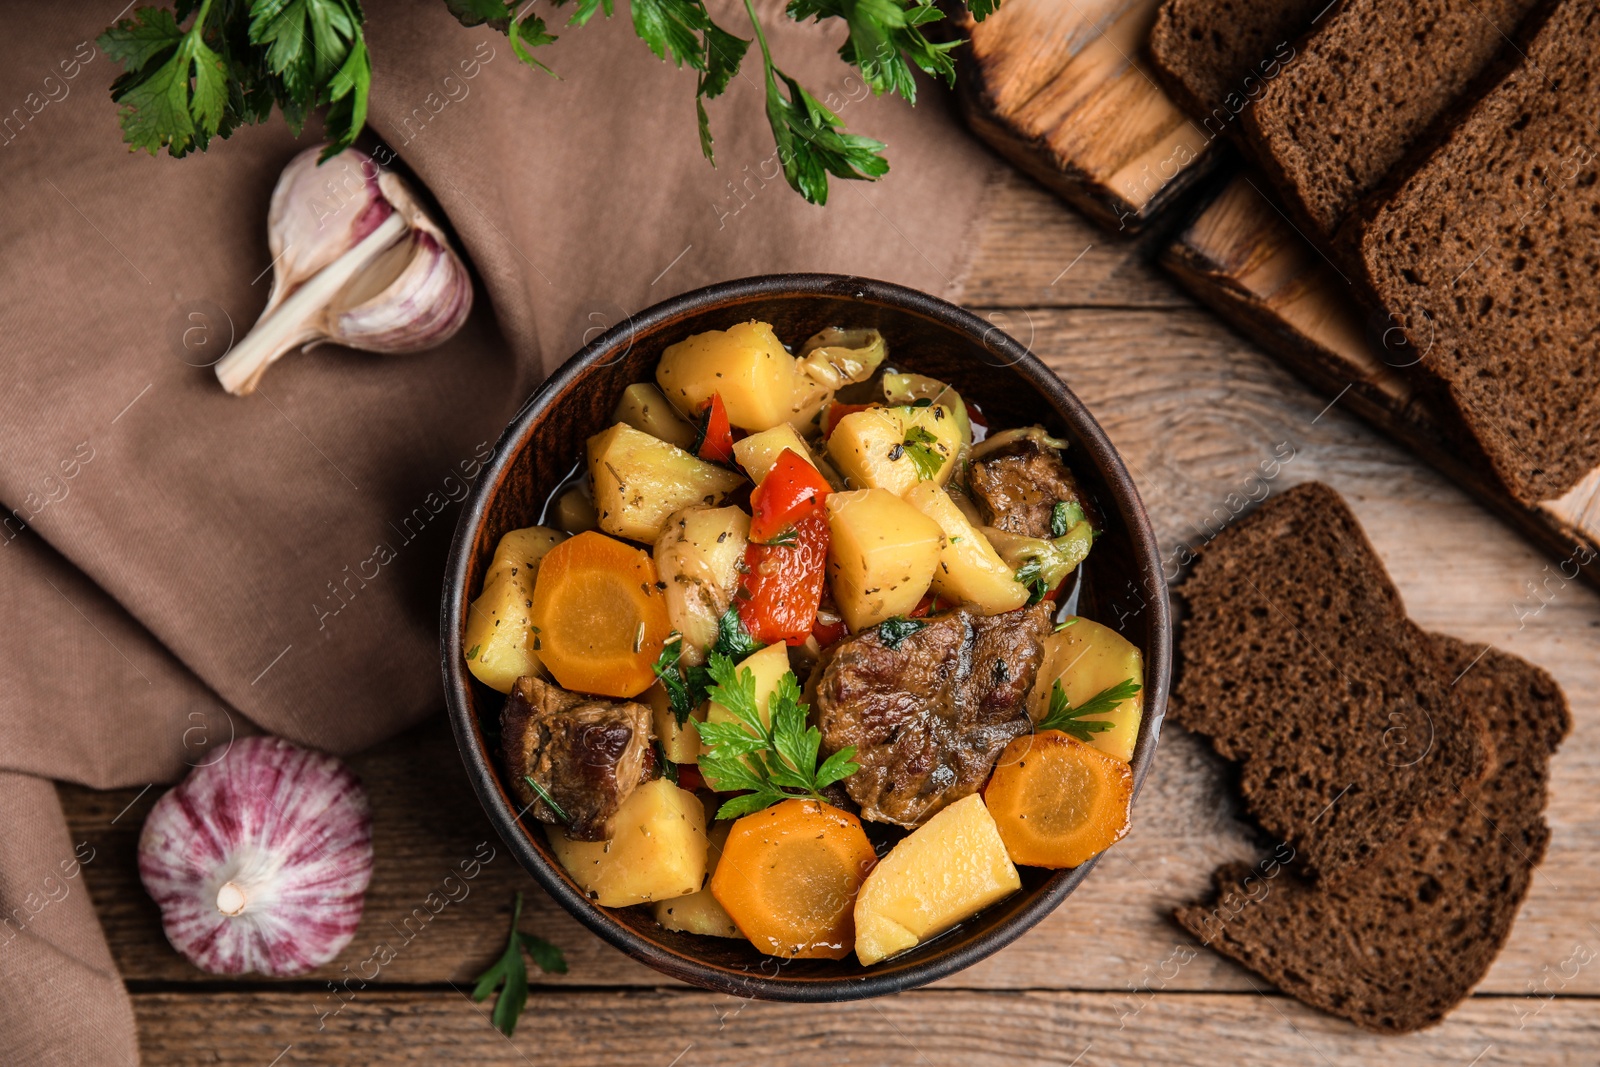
(239, 58)
(509, 973)
(1075, 721)
(235, 61)
(768, 761)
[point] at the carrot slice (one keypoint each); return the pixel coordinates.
(788, 878)
(1057, 801)
(600, 618)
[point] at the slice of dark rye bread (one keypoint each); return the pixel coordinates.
(1396, 948)
(1487, 250)
(1366, 84)
(1299, 663)
(1214, 56)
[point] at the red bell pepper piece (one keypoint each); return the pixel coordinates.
(689, 777)
(779, 596)
(716, 443)
(791, 490)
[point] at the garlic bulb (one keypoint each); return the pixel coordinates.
(260, 861)
(357, 261)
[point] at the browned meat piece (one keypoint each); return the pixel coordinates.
(587, 753)
(1018, 485)
(928, 718)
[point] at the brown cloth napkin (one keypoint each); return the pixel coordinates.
(179, 566)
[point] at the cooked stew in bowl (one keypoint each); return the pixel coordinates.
(794, 660)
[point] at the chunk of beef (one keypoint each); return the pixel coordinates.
(587, 753)
(929, 717)
(1018, 484)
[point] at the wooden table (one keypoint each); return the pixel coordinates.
(1108, 979)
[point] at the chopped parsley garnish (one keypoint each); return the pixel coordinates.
(1031, 574)
(1064, 516)
(732, 637)
(919, 447)
(897, 628)
(509, 973)
(767, 762)
(1074, 720)
(472, 653)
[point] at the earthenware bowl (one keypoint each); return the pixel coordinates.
(1121, 585)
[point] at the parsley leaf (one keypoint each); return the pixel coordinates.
(926, 457)
(732, 637)
(1073, 720)
(897, 628)
(509, 973)
(1031, 574)
(1064, 516)
(679, 698)
(182, 87)
(885, 40)
(767, 761)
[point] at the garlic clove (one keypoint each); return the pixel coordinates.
(318, 212)
(260, 862)
(397, 286)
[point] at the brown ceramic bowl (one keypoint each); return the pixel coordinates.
(1121, 585)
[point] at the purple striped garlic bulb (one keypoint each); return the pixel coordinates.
(260, 861)
(357, 261)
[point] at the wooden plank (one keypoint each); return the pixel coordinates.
(1195, 410)
(1244, 259)
(707, 1030)
(1062, 90)
(1034, 251)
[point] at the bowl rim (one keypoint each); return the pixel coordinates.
(457, 681)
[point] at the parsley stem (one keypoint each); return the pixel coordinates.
(761, 38)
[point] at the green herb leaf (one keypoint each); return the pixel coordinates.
(897, 628)
(769, 761)
(1031, 574)
(472, 653)
(1064, 516)
(1064, 623)
(509, 973)
(549, 801)
(886, 40)
(669, 770)
(732, 637)
(1074, 720)
(666, 668)
(923, 449)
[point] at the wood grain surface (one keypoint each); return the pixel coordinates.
(1243, 258)
(1062, 90)
(1107, 979)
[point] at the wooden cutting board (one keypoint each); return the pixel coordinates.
(1061, 89)
(1241, 257)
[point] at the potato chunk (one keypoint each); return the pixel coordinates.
(699, 913)
(644, 408)
(657, 849)
(499, 639)
(521, 550)
(746, 363)
(499, 636)
(945, 871)
(575, 511)
(882, 555)
(758, 452)
(970, 570)
(697, 557)
(639, 481)
(1089, 658)
(895, 448)
(680, 744)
